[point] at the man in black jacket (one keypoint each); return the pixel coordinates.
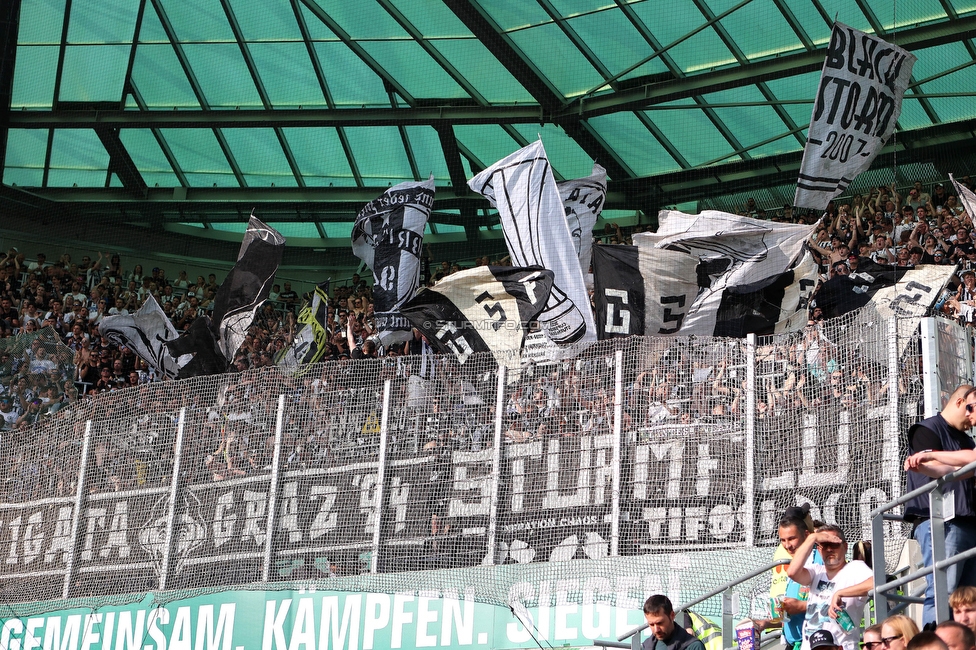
(666, 635)
(945, 432)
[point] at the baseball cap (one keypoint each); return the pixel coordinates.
(822, 639)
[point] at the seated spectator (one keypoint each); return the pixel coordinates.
(956, 635)
(927, 641)
(963, 603)
(897, 631)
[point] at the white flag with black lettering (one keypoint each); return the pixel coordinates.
(966, 197)
(389, 236)
(693, 260)
(855, 112)
(583, 199)
(533, 220)
(483, 309)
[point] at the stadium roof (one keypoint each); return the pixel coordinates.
(183, 116)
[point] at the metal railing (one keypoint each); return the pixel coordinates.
(940, 562)
(728, 626)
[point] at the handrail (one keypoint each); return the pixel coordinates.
(925, 489)
(935, 491)
(715, 592)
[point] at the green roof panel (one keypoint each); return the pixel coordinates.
(635, 145)
(37, 70)
(41, 22)
(433, 19)
(380, 156)
(320, 157)
(269, 20)
(77, 158)
(493, 81)
(260, 157)
(566, 156)
(758, 29)
(351, 82)
(148, 157)
(428, 153)
(200, 21)
(414, 69)
(102, 21)
(199, 155)
(94, 73)
(487, 142)
(701, 51)
(287, 74)
(616, 42)
(159, 78)
(558, 59)
(692, 132)
(24, 164)
(223, 75)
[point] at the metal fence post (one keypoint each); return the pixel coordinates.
(615, 487)
(727, 626)
(878, 562)
(750, 484)
(269, 524)
(937, 535)
(174, 494)
(496, 469)
(380, 477)
(69, 568)
(930, 366)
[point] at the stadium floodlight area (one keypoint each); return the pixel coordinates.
(642, 465)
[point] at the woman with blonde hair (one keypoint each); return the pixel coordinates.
(897, 631)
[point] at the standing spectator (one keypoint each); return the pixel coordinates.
(659, 614)
(933, 443)
(835, 586)
(794, 527)
(289, 297)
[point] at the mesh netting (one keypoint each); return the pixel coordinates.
(715, 440)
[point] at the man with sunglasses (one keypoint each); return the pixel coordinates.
(838, 588)
(945, 432)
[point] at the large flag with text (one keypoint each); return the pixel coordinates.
(856, 109)
(247, 285)
(583, 200)
(966, 197)
(695, 264)
(483, 309)
(388, 236)
(533, 221)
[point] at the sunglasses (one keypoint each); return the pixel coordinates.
(887, 640)
(870, 645)
(829, 545)
(970, 407)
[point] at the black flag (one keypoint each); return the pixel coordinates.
(484, 309)
(618, 292)
(389, 236)
(246, 286)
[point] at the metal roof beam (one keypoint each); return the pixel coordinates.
(915, 38)
(9, 28)
(120, 162)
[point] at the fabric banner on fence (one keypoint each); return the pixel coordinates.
(583, 199)
(618, 292)
(247, 285)
(857, 105)
(693, 261)
(484, 309)
(389, 237)
(533, 220)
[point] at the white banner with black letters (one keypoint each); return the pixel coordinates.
(583, 199)
(692, 260)
(533, 220)
(858, 102)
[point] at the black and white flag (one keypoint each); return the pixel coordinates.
(583, 199)
(247, 285)
(966, 197)
(855, 112)
(389, 236)
(533, 220)
(618, 292)
(482, 309)
(146, 332)
(692, 261)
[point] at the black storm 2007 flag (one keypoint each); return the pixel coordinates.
(484, 309)
(389, 237)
